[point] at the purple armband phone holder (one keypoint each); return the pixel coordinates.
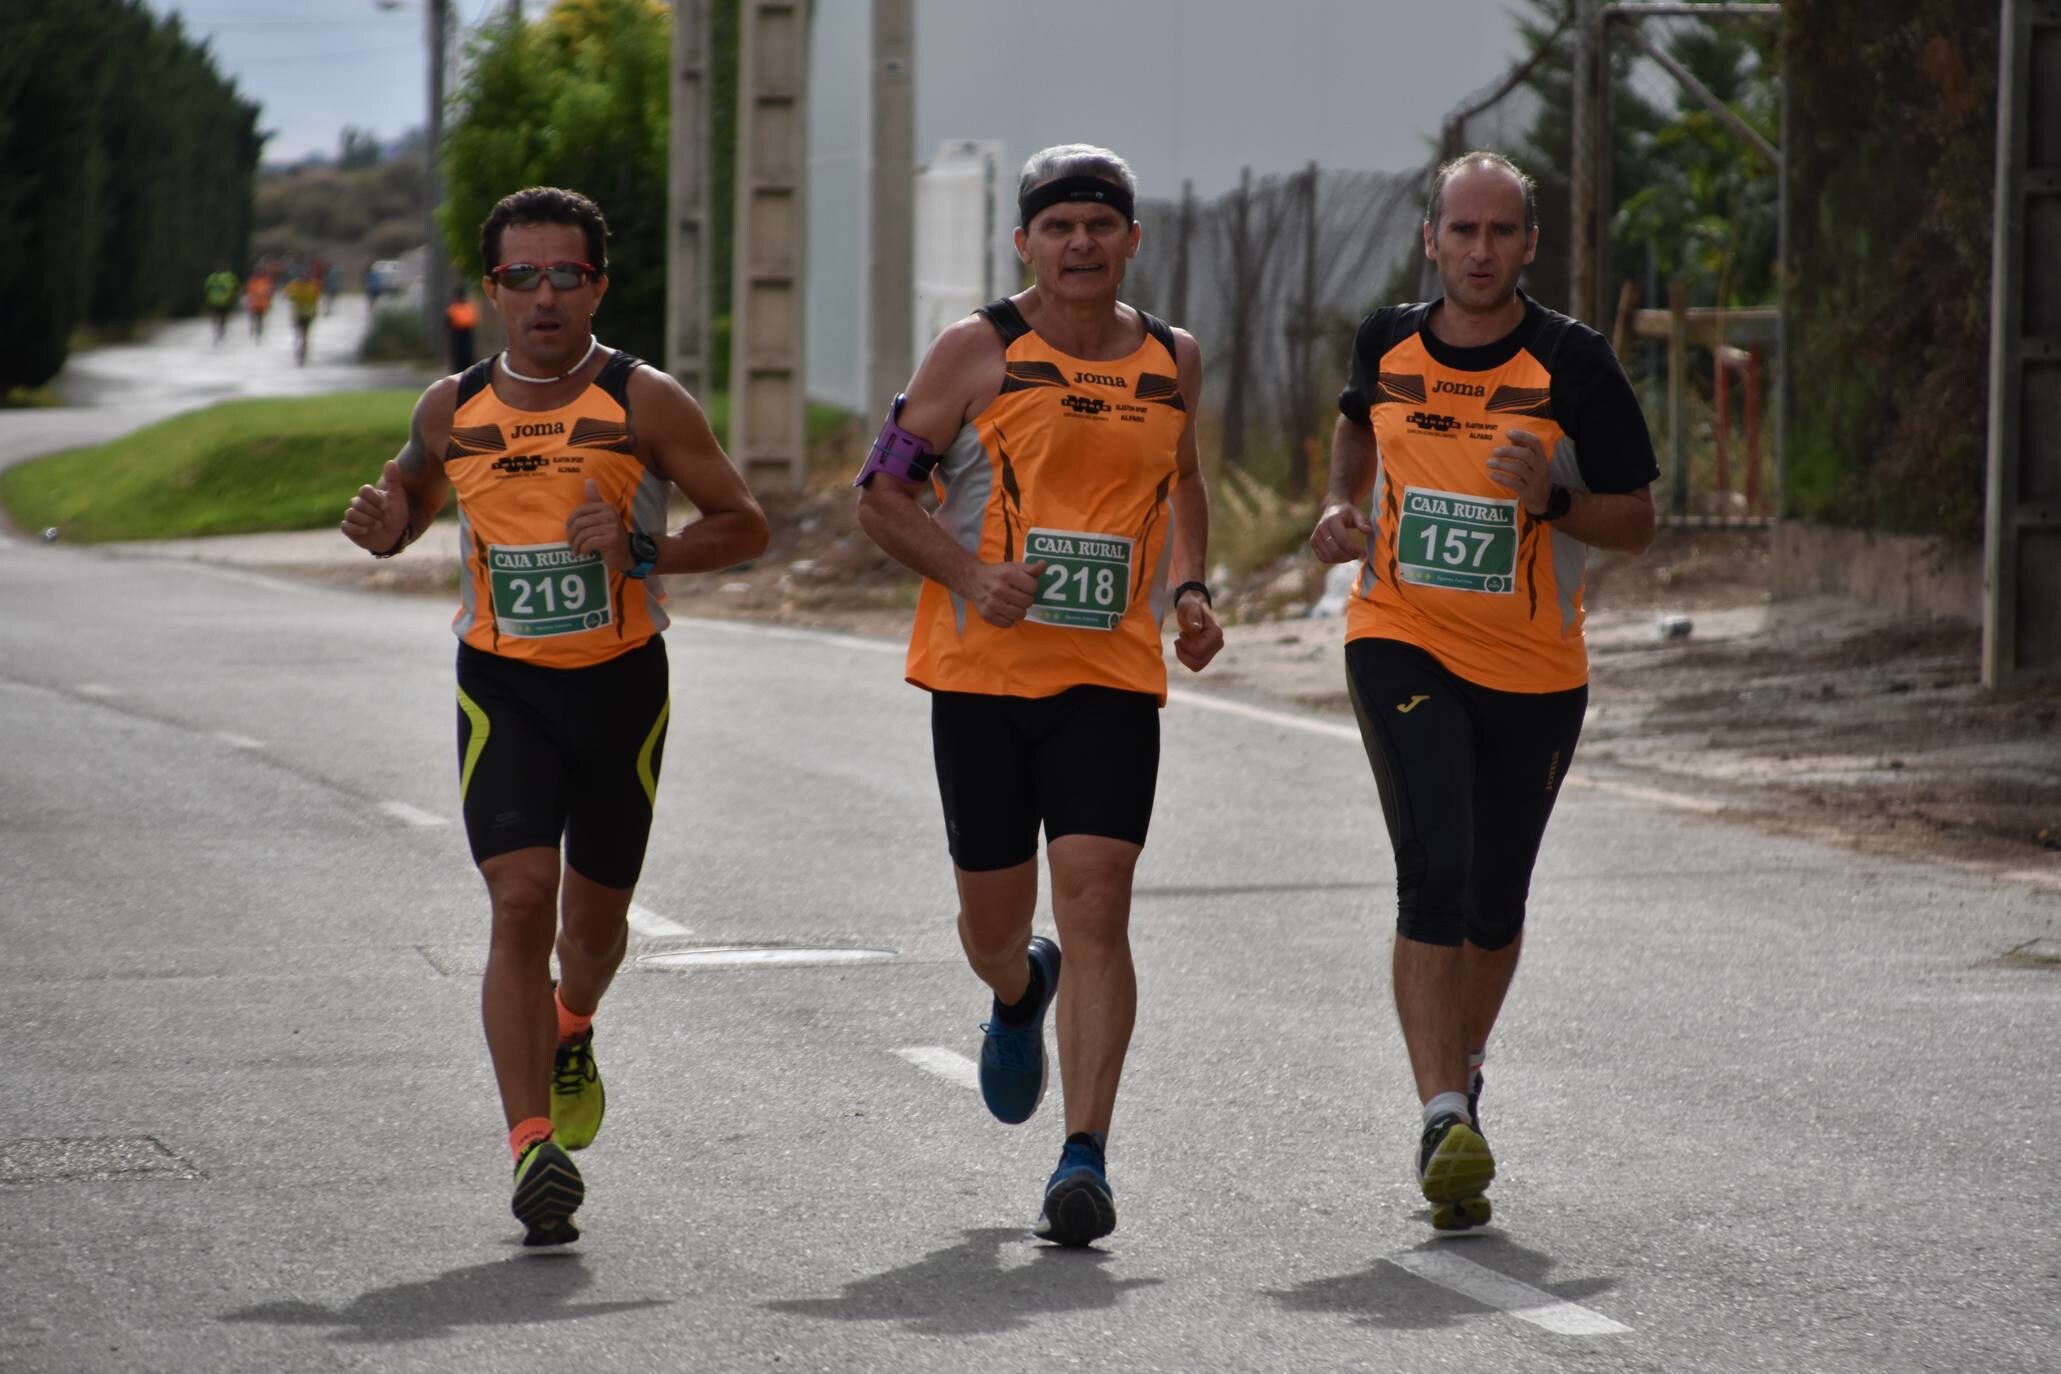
(898, 453)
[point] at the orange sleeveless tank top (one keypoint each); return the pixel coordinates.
(517, 475)
(1072, 466)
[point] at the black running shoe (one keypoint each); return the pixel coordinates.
(548, 1190)
(1079, 1209)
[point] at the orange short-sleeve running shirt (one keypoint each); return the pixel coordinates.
(1071, 466)
(517, 475)
(1457, 566)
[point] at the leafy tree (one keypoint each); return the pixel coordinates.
(579, 99)
(360, 148)
(126, 164)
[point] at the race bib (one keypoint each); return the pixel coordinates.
(542, 590)
(1086, 584)
(1465, 543)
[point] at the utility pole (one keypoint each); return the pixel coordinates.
(436, 266)
(768, 438)
(891, 283)
(2021, 618)
(687, 247)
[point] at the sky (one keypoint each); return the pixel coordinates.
(1184, 88)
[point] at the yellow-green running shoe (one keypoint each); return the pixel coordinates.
(578, 1101)
(1455, 1168)
(548, 1190)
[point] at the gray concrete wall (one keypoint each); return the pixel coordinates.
(1897, 572)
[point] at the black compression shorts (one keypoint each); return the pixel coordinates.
(1082, 762)
(563, 755)
(1468, 777)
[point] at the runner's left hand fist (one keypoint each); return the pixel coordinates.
(597, 527)
(1200, 636)
(1522, 466)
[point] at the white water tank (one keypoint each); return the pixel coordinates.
(965, 202)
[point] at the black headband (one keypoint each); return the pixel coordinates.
(1074, 188)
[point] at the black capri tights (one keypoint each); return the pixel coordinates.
(1468, 777)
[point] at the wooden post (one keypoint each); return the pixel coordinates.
(1677, 395)
(1721, 431)
(1752, 459)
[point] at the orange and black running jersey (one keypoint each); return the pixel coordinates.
(1457, 566)
(518, 474)
(1070, 466)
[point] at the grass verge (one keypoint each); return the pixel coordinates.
(235, 468)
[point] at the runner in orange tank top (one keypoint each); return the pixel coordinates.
(561, 453)
(1056, 427)
(1499, 442)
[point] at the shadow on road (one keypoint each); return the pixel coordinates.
(1388, 1296)
(510, 1292)
(965, 1290)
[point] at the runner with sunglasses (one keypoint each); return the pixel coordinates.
(561, 453)
(1058, 426)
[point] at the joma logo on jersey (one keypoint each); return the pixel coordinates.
(534, 431)
(1084, 405)
(1102, 379)
(521, 462)
(1437, 424)
(1449, 388)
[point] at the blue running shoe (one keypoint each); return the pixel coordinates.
(1078, 1207)
(1012, 1058)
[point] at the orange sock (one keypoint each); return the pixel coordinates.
(528, 1132)
(571, 1025)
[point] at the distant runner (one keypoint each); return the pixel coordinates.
(219, 291)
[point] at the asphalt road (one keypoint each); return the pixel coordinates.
(1758, 1104)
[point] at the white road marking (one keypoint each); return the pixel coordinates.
(1520, 1300)
(653, 926)
(949, 1065)
(98, 689)
(1307, 724)
(412, 815)
(1680, 801)
(2051, 881)
(236, 741)
(824, 637)
(1337, 730)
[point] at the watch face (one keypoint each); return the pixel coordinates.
(643, 547)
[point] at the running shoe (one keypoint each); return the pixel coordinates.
(548, 1190)
(1455, 1168)
(1013, 1071)
(578, 1100)
(1078, 1206)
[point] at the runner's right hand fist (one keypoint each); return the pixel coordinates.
(1341, 534)
(378, 516)
(1002, 592)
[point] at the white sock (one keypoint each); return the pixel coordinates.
(1456, 1103)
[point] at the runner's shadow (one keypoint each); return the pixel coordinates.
(512, 1292)
(965, 1290)
(1389, 1296)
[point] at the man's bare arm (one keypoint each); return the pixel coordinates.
(1342, 530)
(386, 517)
(961, 370)
(1199, 635)
(683, 449)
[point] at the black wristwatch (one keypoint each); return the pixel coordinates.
(1558, 502)
(644, 549)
